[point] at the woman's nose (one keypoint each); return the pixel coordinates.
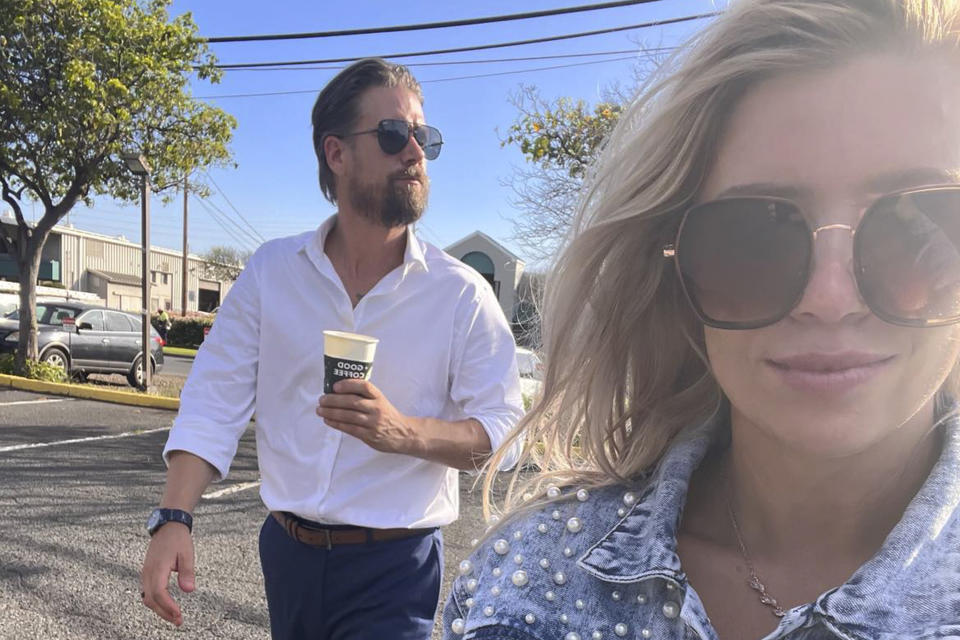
(831, 295)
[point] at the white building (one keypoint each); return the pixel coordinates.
(501, 268)
(109, 267)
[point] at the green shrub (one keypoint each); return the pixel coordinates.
(187, 332)
(35, 370)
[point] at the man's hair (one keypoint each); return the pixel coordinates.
(336, 108)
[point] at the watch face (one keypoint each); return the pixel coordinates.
(154, 520)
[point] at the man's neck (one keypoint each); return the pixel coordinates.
(362, 251)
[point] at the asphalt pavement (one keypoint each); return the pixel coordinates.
(77, 481)
(176, 366)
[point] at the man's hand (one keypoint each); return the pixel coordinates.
(358, 408)
(171, 549)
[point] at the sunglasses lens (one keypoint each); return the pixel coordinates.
(430, 140)
(743, 261)
(908, 261)
(393, 136)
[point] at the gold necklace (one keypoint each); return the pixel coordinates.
(754, 580)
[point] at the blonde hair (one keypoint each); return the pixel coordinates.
(625, 363)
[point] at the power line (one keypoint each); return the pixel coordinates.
(428, 25)
(244, 233)
(243, 243)
(237, 211)
(516, 71)
(448, 63)
(499, 45)
(481, 75)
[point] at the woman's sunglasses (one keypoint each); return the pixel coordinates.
(393, 136)
(744, 262)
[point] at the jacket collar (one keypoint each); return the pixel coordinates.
(643, 543)
(910, 585)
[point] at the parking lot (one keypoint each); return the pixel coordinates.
(77, 481)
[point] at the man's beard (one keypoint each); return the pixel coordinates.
(391, 204)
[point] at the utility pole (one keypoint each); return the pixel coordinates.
(184, 273)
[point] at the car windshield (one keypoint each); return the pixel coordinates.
(49, 313)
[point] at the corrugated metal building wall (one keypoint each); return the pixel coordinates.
(83, 251)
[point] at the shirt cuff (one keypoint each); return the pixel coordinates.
(193, 439)
(498, 430)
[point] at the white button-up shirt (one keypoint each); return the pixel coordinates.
(445, 351)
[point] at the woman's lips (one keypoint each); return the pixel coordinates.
(833, 373)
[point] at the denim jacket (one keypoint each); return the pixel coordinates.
(603, 564)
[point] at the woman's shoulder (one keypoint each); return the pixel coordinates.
(520, 581)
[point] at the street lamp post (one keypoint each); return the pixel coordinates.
(137, 164)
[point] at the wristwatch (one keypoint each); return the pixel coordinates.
(160, 517)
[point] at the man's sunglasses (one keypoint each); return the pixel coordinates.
(744, 262)
(393, 136)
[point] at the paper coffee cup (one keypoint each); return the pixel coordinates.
(345, 356)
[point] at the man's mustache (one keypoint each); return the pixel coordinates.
(409, 174)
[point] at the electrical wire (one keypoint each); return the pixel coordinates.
(499, 45)
(243, 243)
(481, 75)
(428, 25)
(243, 232)
(447, 63)
(237, 211)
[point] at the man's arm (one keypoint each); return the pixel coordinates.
(360, 409)
(171, 547)
(215, 408)
(485, 385)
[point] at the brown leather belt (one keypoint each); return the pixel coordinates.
(320, 536)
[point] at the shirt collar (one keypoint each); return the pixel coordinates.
(413, 255)
(909, 585)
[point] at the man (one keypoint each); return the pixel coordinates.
(163, 323)
(358, 483)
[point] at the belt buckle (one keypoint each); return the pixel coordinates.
(326, 533)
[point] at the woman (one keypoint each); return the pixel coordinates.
(751, 348)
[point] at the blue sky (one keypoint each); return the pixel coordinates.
(274, 186)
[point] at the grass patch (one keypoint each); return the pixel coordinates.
(163, 386)
(179, 351)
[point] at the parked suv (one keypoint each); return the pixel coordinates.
(84, 338)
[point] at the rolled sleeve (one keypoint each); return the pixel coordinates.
(219, 396)
(486, 382)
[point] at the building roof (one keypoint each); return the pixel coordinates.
(117, 278)
(488, 239)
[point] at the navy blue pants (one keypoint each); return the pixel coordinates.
(375, 590)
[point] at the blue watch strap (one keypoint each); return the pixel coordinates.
(162, 516)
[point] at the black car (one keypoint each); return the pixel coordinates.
(94, 339)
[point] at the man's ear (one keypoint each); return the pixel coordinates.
(333, 150)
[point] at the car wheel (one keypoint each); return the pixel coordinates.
(135, 377)
(56, 357)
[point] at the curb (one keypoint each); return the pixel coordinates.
(179, 351)
(103, 395)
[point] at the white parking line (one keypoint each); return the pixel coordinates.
(234, 489)
(38, 445)
(10, 404)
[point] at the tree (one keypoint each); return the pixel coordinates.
(225, 263)
(526, 315)
(82, 81)
(560, 140)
